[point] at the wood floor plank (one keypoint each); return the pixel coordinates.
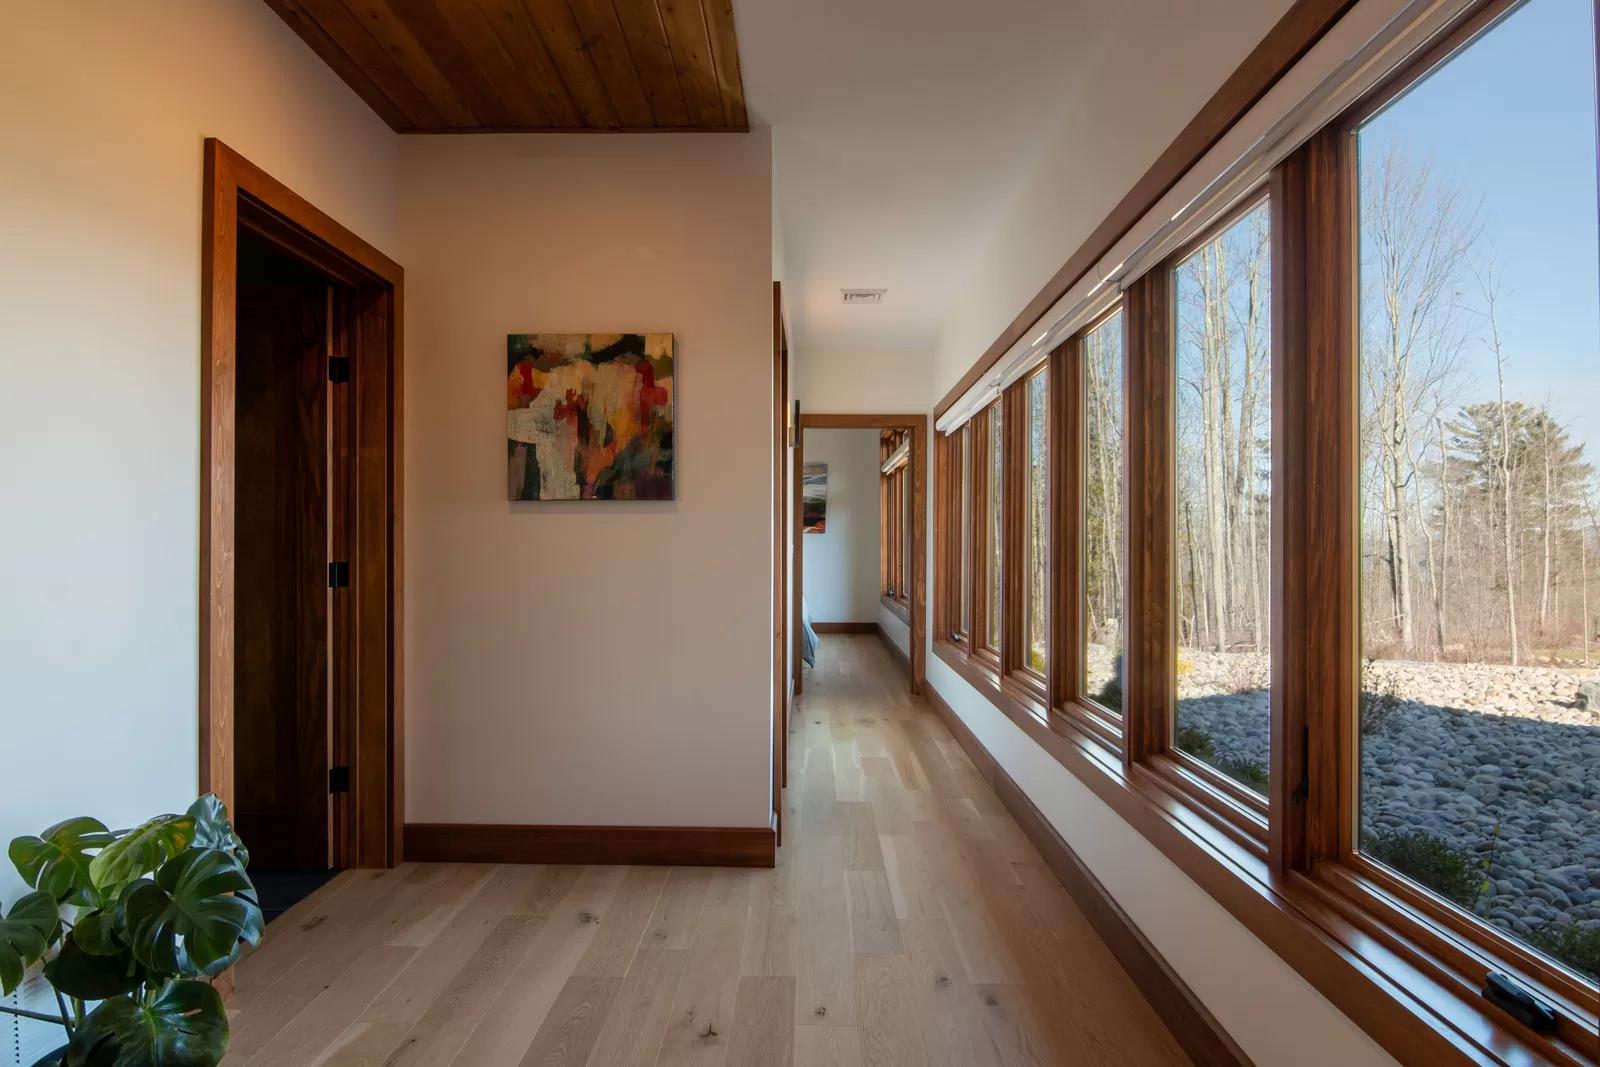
(449, 1021)
(363, 1045)
(568, 1035)
(509, 1026)
(910, 881)
(438, 961)
(769, 947)
(858, 837)
(874, 929)
(908, 920)
(677, 913)
(946, 1006)
(638, 1022)
(763, 1023)
(890, 1034)
(629, 913)
(701, 1020)
(1005, 1018)
(827, 1046)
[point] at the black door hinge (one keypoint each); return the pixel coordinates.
(339, 369)
(339, 575)
(338, 779)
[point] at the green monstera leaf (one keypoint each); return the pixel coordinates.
(191, 919)
(25, 933)
(79, 973)
(139, 851)
(183, 1026)
(58, 860)
(212, 828)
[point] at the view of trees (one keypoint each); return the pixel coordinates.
(1103, 541)
(1224, 467)
(1038, 395)
(1477, 505)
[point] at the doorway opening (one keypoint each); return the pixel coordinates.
(300, 616)
(899, 570)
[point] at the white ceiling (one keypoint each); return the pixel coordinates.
(903, 129)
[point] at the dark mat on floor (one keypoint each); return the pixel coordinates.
(278, 891)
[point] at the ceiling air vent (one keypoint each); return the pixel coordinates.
(863, 296)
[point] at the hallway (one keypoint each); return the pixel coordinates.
(908, 922)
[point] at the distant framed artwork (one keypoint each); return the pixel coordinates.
(589, 416)
(814, 497)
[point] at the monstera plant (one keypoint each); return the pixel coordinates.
(132, 926)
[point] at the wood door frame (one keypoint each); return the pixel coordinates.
(780, 561)
(918, 425)
(239, 195)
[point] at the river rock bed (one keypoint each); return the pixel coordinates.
(1496, 761)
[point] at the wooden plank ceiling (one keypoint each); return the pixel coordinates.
(439, 65)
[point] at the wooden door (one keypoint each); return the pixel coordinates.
(281, 667)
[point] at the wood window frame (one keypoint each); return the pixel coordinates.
(982, 655)
(1069, 426)
(894, 502)
(1403, 964)
(950, 593)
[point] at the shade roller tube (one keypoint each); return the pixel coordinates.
(1371, 41)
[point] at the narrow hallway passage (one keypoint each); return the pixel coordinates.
(907, 922)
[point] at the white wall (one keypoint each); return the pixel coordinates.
(103, 109)
(588, 662)
(878, 381)
(1095, 158)
(898, 632)
(841, 563)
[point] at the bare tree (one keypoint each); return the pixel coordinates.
(1418, 237)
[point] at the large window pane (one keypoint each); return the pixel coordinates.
(1102, 528)
(1480, 389)
(994, 524)
(1224, 481)
(1038, 392)
(963, 452)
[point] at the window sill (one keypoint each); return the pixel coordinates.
(1421, 1005)
(899, 608)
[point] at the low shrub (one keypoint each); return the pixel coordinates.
(1577, 947)
(1453, 873)
(1196, 742)
(1110, 696)
(1244, 771)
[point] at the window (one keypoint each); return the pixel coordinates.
(1480, 752)
(1103, 566)
(961, 456)
(1036, 500)
(994, 527)
(1223, 492)
(895, 531)
(1327, 474)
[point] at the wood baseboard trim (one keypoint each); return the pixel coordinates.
(845, 627)
(1191, 1023)
(895, 654)
(665, 846)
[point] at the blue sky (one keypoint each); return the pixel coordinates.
(1511, 121)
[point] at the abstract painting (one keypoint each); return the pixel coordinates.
(814, 497)
(589, 416)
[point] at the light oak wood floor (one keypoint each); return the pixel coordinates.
(908, 922)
